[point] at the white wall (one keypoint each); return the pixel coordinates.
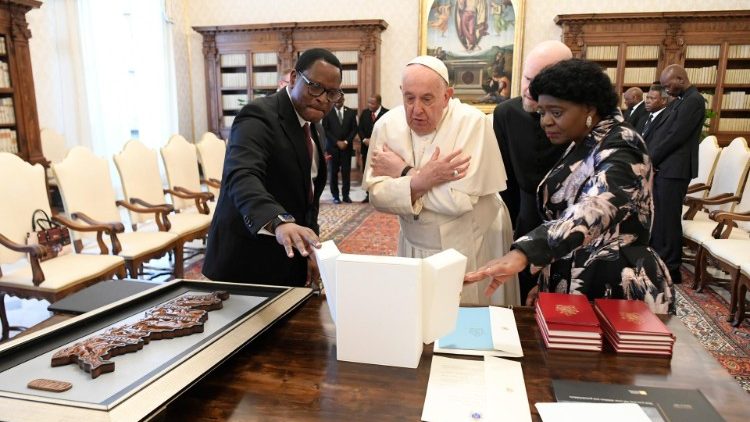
(56, 80)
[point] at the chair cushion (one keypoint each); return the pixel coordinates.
(60, 272)
(700, 231)
(184, 223)
(731, 251)
(135, 244)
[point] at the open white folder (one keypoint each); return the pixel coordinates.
(385, 307)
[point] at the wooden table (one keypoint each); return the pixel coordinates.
(291, 373)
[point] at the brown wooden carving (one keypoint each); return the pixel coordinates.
(179, 317)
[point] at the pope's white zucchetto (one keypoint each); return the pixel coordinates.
(433, 63)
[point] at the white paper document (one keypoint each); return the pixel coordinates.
(591, 412)
(502, 334)
(475, 390)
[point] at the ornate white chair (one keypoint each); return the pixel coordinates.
(53, 145)
(88, 195)
(743, 284)
(211, 151)
(708, 154)
(726, 184)
(729, 253)
(181, 164)
(138, 167)
(729, 192)
(23, 190)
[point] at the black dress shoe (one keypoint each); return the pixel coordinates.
(366, 200)
(347, 200)
(336, 201)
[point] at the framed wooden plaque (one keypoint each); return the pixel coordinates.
(144, 381)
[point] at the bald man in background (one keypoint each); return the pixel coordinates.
(527, 153)
(673, 147)
(636, 108)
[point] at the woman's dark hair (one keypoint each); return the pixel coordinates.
(312, 55)
(578, 81)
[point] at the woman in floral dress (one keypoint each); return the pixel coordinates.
(596, 201)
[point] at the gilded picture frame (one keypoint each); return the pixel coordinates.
(481, 43)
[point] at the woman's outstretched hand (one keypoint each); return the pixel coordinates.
(500, 270)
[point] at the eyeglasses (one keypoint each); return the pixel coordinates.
(316, 90)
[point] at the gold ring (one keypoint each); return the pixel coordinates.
(455, 173)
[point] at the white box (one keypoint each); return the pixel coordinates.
(385, 307)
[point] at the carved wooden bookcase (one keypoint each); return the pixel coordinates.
(19, 123)
(713, 46)
(243, 62)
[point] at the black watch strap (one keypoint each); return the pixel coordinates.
(405, 171)
(281, 219)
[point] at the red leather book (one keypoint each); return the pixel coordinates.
(567, 330)
(567, 336)
(649, 348)
(631, 319)
(560, 308)
(551, 344)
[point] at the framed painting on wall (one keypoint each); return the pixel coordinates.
(480, 41)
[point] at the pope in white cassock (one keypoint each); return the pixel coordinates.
(436, 164)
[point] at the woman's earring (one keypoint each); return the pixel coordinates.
(588, 121)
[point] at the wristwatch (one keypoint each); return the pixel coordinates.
(281, 219)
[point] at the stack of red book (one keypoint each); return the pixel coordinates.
(568, 322)
(630, 327)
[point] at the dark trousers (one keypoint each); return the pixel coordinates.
(340, 160)
(527, 220)
(666, 231)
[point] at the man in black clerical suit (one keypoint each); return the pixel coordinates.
(265, 223)
(341, 127)
(527, 153)
(655, 102)
(636, 109)
(673, 147)
(366, 121)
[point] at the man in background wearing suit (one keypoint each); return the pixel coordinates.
(673, 147)
(527, 153)
(656, 101)
(366, 121)
(340, 127)
(265, 224)
(634, 100)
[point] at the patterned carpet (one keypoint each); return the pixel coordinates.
(358, 228)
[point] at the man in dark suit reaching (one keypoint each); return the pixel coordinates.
(341, 127)
(366, 121)
(673, 147)
(265, 224)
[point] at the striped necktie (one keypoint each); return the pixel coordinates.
(647, 124)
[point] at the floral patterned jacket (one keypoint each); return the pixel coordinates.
(597, 205)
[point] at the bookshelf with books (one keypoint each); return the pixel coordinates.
(243, 62)
(19, 123)
(635, 47)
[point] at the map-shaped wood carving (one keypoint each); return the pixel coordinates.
(181, 316)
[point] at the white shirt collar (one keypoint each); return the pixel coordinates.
(656, 113)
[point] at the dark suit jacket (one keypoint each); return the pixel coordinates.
(656, 122)
(634, 116)
(527, 153)
(336, 131)
(366, 123)
(673, 142)
(266, 173)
